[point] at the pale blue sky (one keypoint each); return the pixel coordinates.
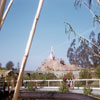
(50, 30)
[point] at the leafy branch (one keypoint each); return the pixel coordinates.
(96, 18)
(69, 30)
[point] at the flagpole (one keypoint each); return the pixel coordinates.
(32, 32)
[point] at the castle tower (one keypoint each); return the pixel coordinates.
(52, 55)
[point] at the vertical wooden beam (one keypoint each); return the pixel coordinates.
(16, 93)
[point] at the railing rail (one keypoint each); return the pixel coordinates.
(86, 81)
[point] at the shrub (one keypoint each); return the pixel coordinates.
(78, 84)
(87, 90)
(30, 86)
(64, 87)
(69, 75)
(97, 71)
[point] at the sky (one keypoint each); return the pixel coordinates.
(50, 31)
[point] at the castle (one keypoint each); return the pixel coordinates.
(57, 66)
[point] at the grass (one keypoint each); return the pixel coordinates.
(96, 95)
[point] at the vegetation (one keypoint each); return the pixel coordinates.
(10, 65)
(30, 86)
(83, 53)
(78, 84)
(85, 74)
(88, 5)
(40, 76)
(69, 75)
(97, 71)
(87, 90)
(96, 95)
(64, 87)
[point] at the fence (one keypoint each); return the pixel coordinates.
(94, 83)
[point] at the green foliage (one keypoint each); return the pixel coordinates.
(97, 71)
(88, 5)
(79, 3)
(87, 90)
(78, 84)
(85, 74)
(69, 75)
(64, 87)
(40, 76)
(96, 95)
(30, 86)
(43, 83)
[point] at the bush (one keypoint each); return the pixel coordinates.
(87, 90)
(78, 84)
(96, 95)
(64, 87)
(69, 75)
(97, 71)
(30, 86)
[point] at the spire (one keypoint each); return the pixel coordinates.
(52, 55)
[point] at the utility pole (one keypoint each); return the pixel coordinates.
(17, 88)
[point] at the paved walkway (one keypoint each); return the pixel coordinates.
(54, 96)
(75, 90)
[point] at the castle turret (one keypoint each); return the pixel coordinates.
(52, 55)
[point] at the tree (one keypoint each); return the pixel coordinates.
(82, 53)
(10, 65)
(87, 53)
(88, 5)
(97, 71)
(69, 75)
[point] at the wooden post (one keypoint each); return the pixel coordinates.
(16, 93)
(2, 6)
(6, 12)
